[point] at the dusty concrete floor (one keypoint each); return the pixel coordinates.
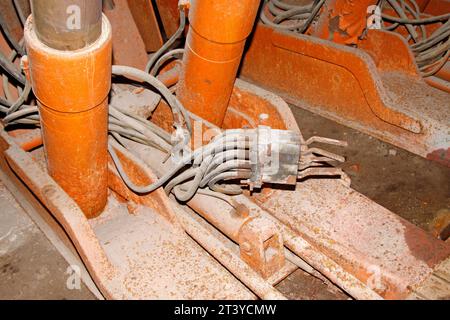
(414, 188)
(30, 267)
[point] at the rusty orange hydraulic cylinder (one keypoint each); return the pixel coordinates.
(214, 47)
(72, 91)
(343, 21)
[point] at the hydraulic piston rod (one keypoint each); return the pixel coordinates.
(70, 71)
(67, 24)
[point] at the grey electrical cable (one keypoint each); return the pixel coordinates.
(181, 116)
(225, 141)
(5, 79)
(21, 113)
(304, 15)
(431, 52)
(141, 128)
(398, 9)
(166, 57)
(312, 16)
(157, 130)
(441, 63)
(169, 42)
(427, 20)
(22, 99)
(11, 69)
(9, 36)
(20, 12)
(139, 189)
(5, 102)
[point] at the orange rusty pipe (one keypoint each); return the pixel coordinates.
(343, 21)
(72, 89)
(214, 47)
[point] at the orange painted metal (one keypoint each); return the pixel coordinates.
(343, 21)
(375, 88)
(168, 12)
(436, 7)
(171, 75)
(145, 18)
(442, 78)
(438, 83)
(11, 20)
(128, 44)
(27, 139)
(6, 50)
(214, 48)
(72, 91)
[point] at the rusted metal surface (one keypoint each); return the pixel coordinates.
(156, 261)
(320, 261)
(375, 245)
(72, 90)
(168, 11)
(334, 220)
(63, 209)
(261, 246)
(156, 200)
(27, 139)
(436, 286)
(230, 260)
(330, 212)
(11, 20)
(343, 21)
(246, 101)
(143, 242)
(147, 24)
(249, 101)
(125, 252)
(229, 222)
(440, 226)
(140, 101)
(170, 77)
(442, 79)
(292, 262)
(372, 90)
(128, 46)
(351, 207)
(435, 7)
(138, 248)
(120, 234)
(212, 57)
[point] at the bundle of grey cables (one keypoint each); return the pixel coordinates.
(15, 110)
(431, 51)
(216, 169)
(284, 16)
(225, 158)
